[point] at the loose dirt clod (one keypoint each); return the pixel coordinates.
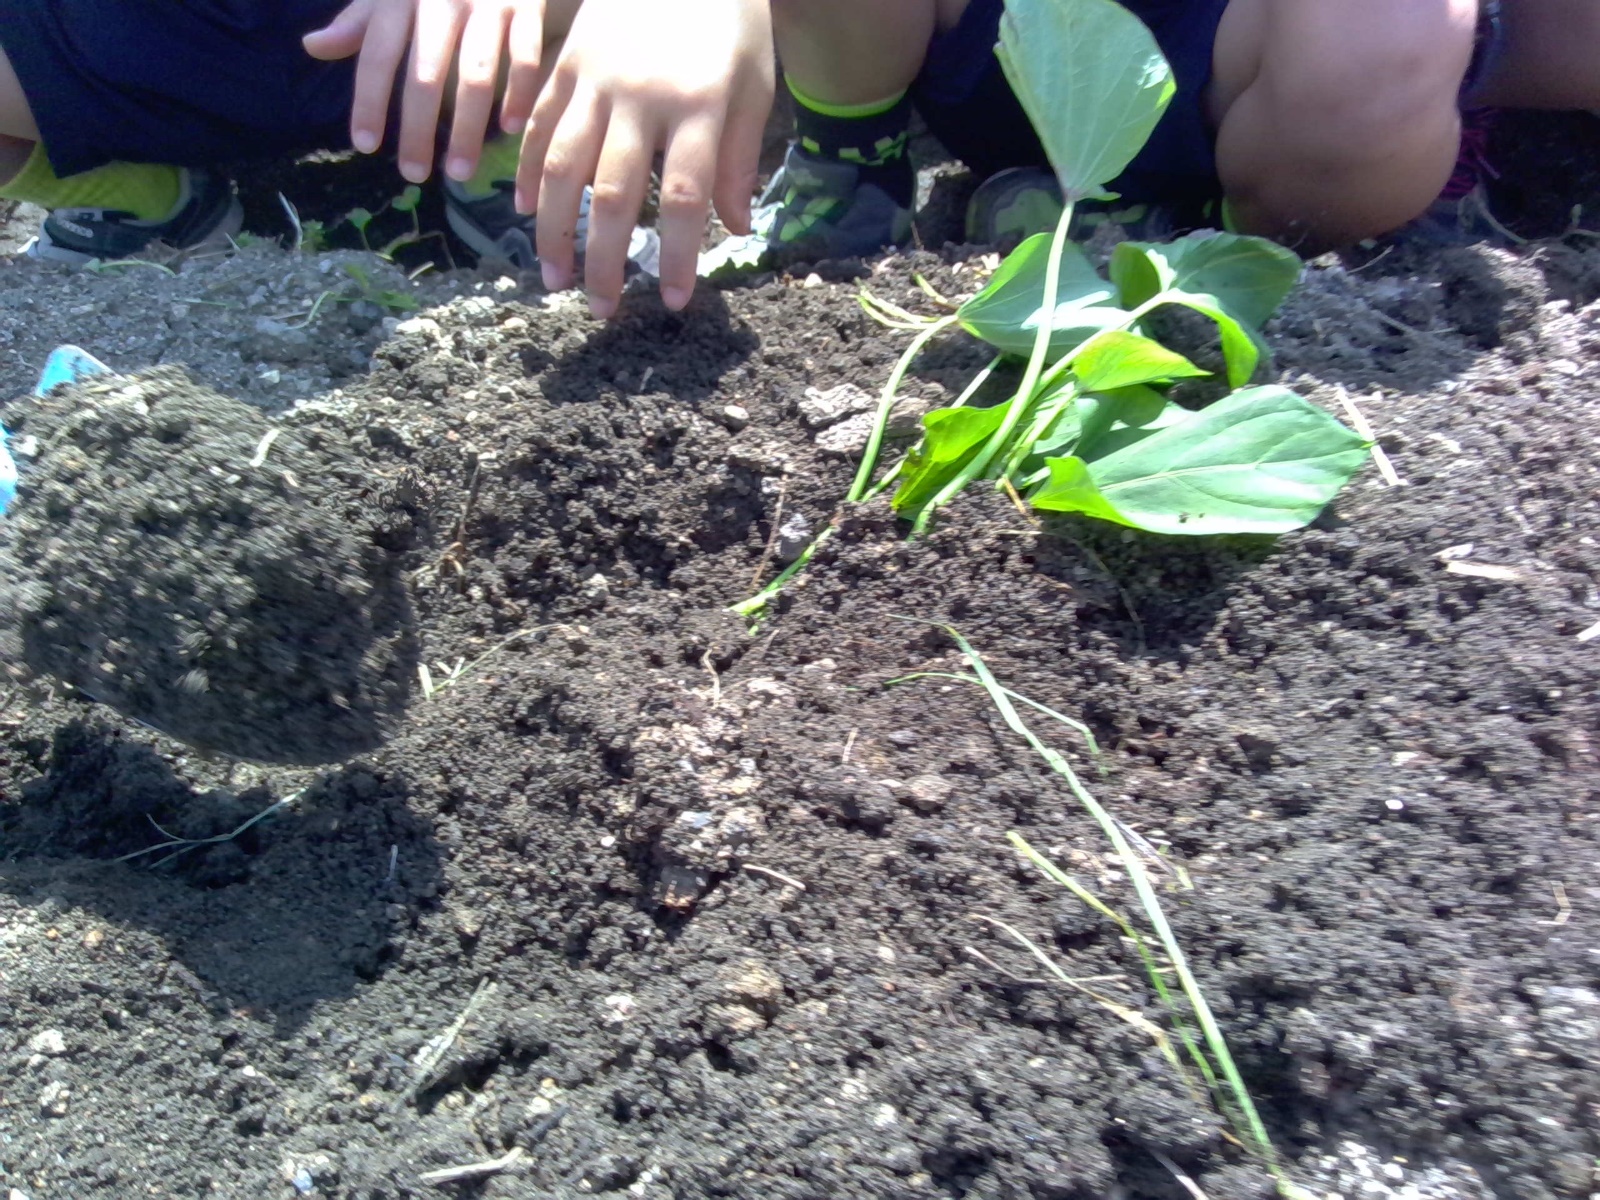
(170, 557)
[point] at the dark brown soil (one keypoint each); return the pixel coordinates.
(178, 559)
(683, 911)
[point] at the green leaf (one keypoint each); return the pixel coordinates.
(951, 437)
(1093, 83)
(1119, 359)
(1072, 489)
(1262, 460)
(1249, 276)
(1242, 347)
(1008, 311)
(1094, 424)
(1236, 281)
(359, 217)
(1113, 422)
(407, 200)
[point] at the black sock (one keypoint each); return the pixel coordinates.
(870, 137)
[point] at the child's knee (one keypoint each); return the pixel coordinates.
(1368, 83)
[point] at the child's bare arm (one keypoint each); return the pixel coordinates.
(471, 35)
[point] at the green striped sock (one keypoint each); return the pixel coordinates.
(148, 191)
(870, 136)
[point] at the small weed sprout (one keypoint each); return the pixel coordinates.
(180, 845)
(1208, 1051)
(359, 219)
(373, 293)
(408, 201)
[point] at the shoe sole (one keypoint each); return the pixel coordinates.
(219, 238)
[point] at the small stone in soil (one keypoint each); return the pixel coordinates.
(48, 1041)
(55, 1099)
(794, 535)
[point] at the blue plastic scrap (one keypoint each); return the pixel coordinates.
(8, 473)
(66, 364)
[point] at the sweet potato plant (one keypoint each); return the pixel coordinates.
(1091, 428)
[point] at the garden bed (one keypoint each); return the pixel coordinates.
(674, 909)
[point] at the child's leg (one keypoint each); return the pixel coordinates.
(1337, 122)
(853, 52)
(18, 132)
(149, 193)
(1550, 56)
(847, 185)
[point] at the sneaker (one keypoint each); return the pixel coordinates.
(208, 215)
(1015, 204)
(491, 227)
(812, 209)
(1461, 216)
(822, 209)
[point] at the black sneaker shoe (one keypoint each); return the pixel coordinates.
(492, 228)
(812, 209)
(823, 209)
(1015, 204)
(208, 215)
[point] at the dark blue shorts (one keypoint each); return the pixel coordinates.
(963, 95)
(186, 82)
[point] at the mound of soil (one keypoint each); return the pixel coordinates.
(174, 557)
(672, 909)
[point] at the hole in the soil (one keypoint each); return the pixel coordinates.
(1551, 745)
(370, 971)
(720, 1058)
(471, 1075)
(617, 761)
(956, 1170)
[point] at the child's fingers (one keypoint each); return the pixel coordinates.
(738, 164)
(340, 37)
(383, 46)
(620, 181)
(525, 49)
(686, 181)
(547, 114)
(477, 71)
(569, 164)
(433, 46)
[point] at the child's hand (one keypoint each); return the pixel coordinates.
(471, 33)
(692, 78)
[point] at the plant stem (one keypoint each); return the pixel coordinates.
(1067, 396)
(1030, 378)
(978, 380)
(753, 606)
(883, 484)
(869, 458)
